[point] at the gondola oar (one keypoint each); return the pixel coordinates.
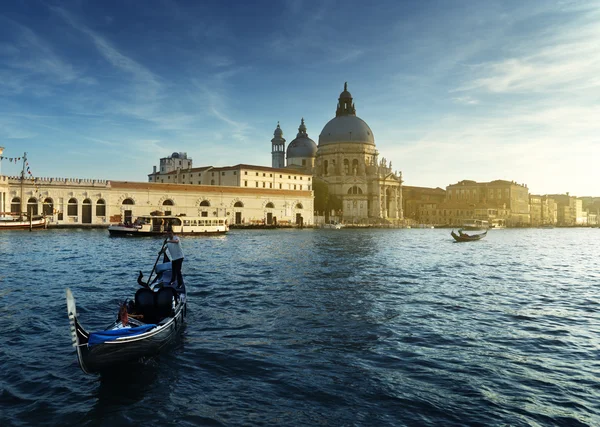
(147, 284)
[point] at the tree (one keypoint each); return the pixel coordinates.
(324, 201)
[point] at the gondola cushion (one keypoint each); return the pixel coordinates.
(113, 334)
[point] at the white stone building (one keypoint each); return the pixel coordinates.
(348, 162)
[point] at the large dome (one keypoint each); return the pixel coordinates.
(346, 129)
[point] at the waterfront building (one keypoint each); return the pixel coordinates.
(99, 202)
(569, 210)
(542, 210)
(420, 205)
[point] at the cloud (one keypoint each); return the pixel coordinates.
(467, 100)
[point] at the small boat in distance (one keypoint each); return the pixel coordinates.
(22, 220)
(333, 225)
(156, 225)
(464, 237)
(142, 329)
(476, 224)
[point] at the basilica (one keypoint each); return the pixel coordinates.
(347, 162)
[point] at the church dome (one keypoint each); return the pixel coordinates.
(302, 146)
(345, 126)
(346, 129)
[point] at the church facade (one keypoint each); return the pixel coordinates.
(346, 160)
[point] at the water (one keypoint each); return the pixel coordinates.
(314, 327)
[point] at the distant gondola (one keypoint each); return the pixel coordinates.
(463, 237)
(142, 328)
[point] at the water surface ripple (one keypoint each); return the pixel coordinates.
(315, 327)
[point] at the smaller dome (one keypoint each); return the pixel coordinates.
(175, 155)
(302, 146)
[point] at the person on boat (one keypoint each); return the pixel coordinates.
(176, 253)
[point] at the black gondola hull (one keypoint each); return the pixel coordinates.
(105, 356)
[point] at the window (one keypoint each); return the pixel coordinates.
(346, 166)
(212, 182)
(222, 173)
(238, 204)
(264, 174)
(269, 205)
(289, 177)
(205, 203)
(294, 186)
(125, 202)
(264, 185)
(235, 172)
(280, 186)
(168, 202)
(270, 185)
(299, 206)
(212, 174)
(270, 175)
(257, 184)
(15, 205)
(72, 207)
(280, 176)
(32, 206)
(303, 163)
(309, 178)
(256, 173)
(245, 183)
(100, 208)
(245, 172)
(48, 206)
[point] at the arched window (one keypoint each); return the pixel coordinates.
(325, 167)
(48, 206)
(299, 206)
(128, 202)
(168, 202)
(354, 166)
(212, 182)
(15, 205)
(269, 205)
(238, 205)
(100, 208)
(205, 203)
(72, 207)
(354, 190)
(346, 166)
(32, 206)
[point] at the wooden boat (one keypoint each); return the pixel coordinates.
(143, 328)
(463, 237)
(22, 220)
(14, 221)
(156, 225)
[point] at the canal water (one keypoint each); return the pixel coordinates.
(314, 327)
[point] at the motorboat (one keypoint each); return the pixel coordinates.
(156, 225)
(12, 221)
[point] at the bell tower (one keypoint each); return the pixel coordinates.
(278, 149)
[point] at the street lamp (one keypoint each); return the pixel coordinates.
(1, 151)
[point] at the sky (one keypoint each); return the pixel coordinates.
(452, 90)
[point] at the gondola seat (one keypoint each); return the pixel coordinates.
(163, 300)
(145, 305)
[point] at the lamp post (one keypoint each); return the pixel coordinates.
(1, 151)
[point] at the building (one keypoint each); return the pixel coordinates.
(75, 202)
(497, 201)
(569, 210)
(347, 162)
(421, 205)
(542, 210)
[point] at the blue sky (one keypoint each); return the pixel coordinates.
(452, 90)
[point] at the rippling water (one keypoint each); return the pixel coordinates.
(314, 327)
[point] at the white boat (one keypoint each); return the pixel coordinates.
(498, 223)
(333, 225)
(21, 222)
(156, 225)
(476, 224)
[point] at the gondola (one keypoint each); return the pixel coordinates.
(463, 237)
(143, 327)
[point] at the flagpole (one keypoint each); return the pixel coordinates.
(22, 183)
